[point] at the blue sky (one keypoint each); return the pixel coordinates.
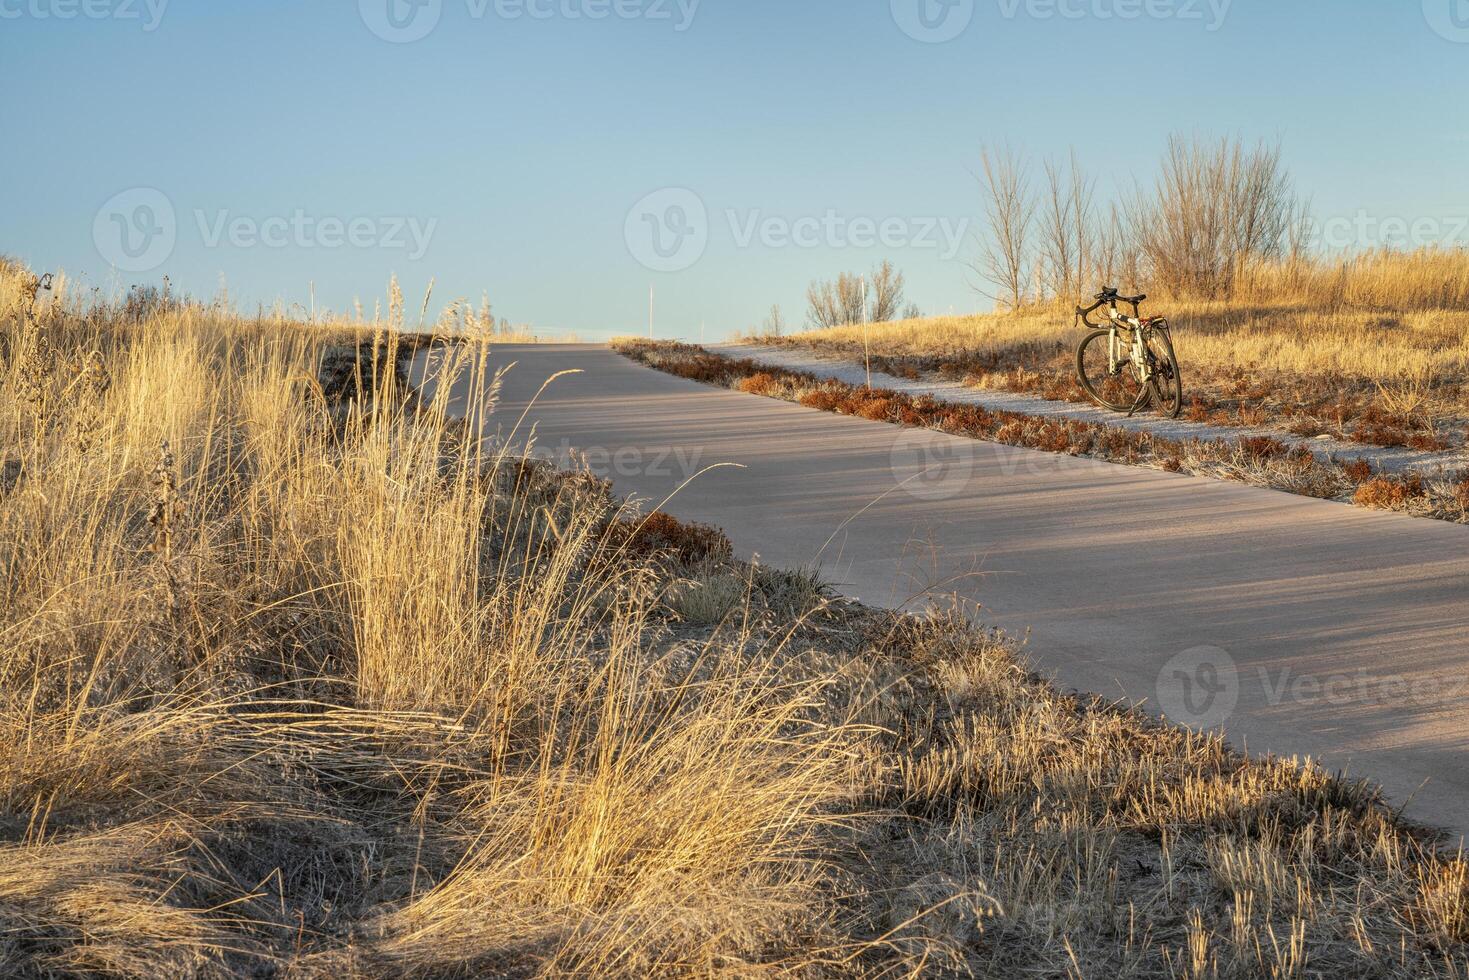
(564, 155)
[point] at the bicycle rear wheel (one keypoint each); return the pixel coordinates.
(1119, 389)
(1167, 380)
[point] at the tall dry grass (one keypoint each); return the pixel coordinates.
(300, 677)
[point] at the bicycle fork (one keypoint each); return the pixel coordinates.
(1140, 359)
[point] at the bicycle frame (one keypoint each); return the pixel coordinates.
(1138, 344)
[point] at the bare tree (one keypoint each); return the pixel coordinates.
(834, 303)
(1083, 223)
(775, 323)
(1066, 229)
(1261, 203)
(1009, 209)
(1298, 234)
(1215, 206)
(886, 293)
(839, 302)
(1112, 249)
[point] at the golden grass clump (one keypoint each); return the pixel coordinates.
(304, 677)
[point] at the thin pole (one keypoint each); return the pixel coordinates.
(866, 347)
(650, 312)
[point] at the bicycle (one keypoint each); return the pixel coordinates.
(1128, 363)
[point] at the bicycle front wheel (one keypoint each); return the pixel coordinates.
(1167, 380)
(1111, 385)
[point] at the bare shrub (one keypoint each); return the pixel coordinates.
(1214, 207)
(852, 298)
(833, 303)
(775, 323)
(1067, 232)
(1010, 208)
(886, 293)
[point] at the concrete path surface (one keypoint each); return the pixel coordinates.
(1300, 626)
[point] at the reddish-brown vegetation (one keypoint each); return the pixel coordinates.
(1259, 448)
(1390, 493)
(1461, 491)
(664, 534)
(757, 384)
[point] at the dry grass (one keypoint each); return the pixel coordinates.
(296, 684)
(297, 681)
(1374, 349)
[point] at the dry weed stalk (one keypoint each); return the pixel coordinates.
(89, 386)
(165, 517)
(37, 358)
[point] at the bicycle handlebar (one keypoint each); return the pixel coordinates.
(1110, 295)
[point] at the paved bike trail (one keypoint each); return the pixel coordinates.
(1299, 626)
